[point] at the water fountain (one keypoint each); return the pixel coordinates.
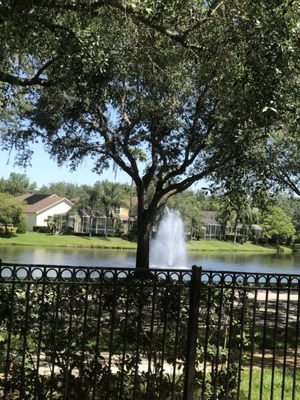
(168, 248)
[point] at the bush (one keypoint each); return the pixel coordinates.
(262, 240)
(67, 230)
(132, 235)
(239, 238)
(40, 229)
(10, 229)
(119, 228)
(22, 227)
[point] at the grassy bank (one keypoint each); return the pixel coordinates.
(222, 246)
(267, 384)
(45, 240)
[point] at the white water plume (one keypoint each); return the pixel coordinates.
(168, 248)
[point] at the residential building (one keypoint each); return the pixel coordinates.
(212, 229)
(40, 207)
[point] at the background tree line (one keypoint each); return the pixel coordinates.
(279, 215)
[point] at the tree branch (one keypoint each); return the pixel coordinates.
(285, 179)
(127, 10)
(112, 142)
(36, 80)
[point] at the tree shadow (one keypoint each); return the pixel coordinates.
(7, 235)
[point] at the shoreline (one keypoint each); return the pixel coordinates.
(32, 239)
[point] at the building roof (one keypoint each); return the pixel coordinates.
(36, 203)
(256, 227)
(209, 218)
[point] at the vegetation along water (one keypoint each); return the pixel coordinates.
(58, 250)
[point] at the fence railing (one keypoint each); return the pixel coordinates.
(100, 333)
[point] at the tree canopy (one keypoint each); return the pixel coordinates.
(277, 224)
(17, 184)
(170, 92)
(10, 210)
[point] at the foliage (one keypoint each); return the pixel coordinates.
(235, 209)
(90, 202)
(113, 195)
(17, 184)
(10, 210)
(53, 224)
(91, 340)
(101, 199)
(118, 228)
(22, 226)
(8, 231)
(150, 84)
(291, 385)
(277, 225)
(291, 206)
(63, 189)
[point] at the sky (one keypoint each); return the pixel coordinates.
(44, 170)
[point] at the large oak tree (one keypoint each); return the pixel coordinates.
(169, 91)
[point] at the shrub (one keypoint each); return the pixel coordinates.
(10, 229)
(119, 228)
(22, 227)
(40, 229)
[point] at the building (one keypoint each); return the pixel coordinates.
(40, 207)
(211, 227)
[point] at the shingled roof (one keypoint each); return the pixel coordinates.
(36, 203)
(209, 218)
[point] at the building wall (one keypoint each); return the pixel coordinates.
(30, 219)
(33, 219)
(124, 214)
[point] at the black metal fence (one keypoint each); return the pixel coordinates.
(100, 333)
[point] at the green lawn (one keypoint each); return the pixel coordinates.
(219, 245)
(45, 240)
(267, 384)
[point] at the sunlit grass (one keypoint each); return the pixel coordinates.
(266, 389)
(219, 245)
(47, 240)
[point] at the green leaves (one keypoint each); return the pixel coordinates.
(277, 224)
(10, 210)
(196, 87)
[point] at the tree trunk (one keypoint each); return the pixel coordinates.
(90, 226)
(236, 222)
(142, 253)
(106, 223)
(143, 237)
(235, 233)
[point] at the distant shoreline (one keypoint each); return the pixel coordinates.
(113, 243)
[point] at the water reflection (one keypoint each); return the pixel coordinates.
(74, 256)
(249, 262)
(243, 262)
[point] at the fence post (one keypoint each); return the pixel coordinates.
(192, 331)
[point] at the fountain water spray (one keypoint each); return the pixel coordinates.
(168, 248)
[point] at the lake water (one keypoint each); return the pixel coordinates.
(243, 262)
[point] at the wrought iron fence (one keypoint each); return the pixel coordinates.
(100, 333)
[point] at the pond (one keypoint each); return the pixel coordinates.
(242, 262)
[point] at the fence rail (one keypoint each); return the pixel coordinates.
(101, 333)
